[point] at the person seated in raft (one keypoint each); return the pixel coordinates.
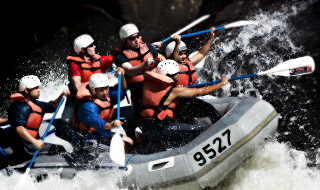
(135, 57)
(94, 109)
(25, 115)
(81, 67)
(188, 108)
(160, 96)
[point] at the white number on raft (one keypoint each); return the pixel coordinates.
(211, 152)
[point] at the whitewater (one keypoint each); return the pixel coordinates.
(275, 166)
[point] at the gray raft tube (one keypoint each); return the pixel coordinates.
(206, 160)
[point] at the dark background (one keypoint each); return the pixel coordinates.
(38, 35)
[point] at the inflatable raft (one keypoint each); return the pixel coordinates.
(201, 163)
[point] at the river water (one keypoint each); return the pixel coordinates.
(283, 163)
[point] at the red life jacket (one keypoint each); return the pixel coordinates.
(106, 108)
(136, 58)
(156, 90)
(87, 69)
(35, 117)
(187, 74)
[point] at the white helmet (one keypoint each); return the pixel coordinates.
(171, 45)
(29, 82)
(98, 80)
(168, 66)
(127, 30)
(82, 41)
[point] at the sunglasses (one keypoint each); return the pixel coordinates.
(134, 37)
(172, 75)
(91, 45)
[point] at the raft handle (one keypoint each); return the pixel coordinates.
(161, 164)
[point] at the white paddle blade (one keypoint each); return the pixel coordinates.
(191, 24)
(293, 67)
(240, 23)
(117, 154)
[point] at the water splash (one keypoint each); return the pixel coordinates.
(275, 166)
(252, 49)
(84, 180)
(256, 48)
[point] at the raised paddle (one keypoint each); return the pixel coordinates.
(187, 27)
(231, 25)
(293, 67)
(192, 24)
(22, 180)
(116, 146)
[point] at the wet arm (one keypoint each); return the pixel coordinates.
(193, 92)
(23, 133)
(56, 102)
(204, 50)
(75, 82)
(175, 54)
(183, 92)
(133, 70)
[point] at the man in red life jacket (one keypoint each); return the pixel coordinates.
(93, 110)
(160, 98)
(25, 115)
(135, 57)
(187, 108)
(81, 67)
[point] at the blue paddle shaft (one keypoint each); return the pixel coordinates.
(165, 40)
(217, 81)
(45, 133)
(193, 34)
(119, 92)
(2, 152)
(202, 32)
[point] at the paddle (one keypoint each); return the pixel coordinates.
(116, 146)
(186, 28)
(22, 180)
(231, 25)
(293, 67)
(180, 31)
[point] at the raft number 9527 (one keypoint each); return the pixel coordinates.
(201, 159)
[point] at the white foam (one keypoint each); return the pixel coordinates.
(276, 166)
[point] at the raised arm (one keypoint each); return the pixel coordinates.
(204, 50)
(175, 54)
(56, 102)
(183, 92)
